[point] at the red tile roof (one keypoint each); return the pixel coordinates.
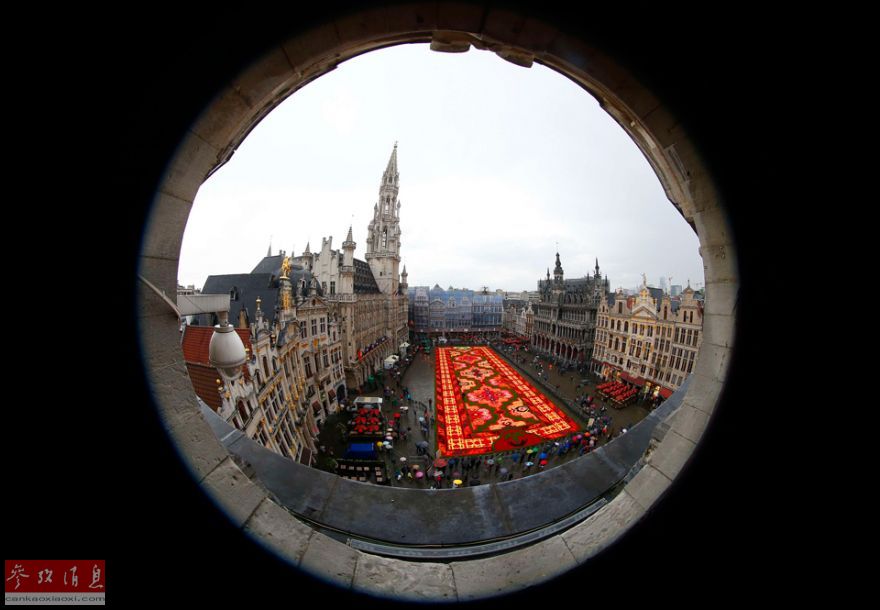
(196, 340)
(204, 380)
(203, 376)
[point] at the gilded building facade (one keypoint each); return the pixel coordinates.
(651, 339)
(293, 376)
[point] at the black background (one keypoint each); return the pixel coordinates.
(99, 103)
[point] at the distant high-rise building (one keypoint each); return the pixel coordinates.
(676, 290)
(663, 284)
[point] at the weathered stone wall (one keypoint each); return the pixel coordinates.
(522, 40)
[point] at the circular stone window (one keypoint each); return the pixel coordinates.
(211, 141)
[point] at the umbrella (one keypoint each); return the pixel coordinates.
(457, 482)
(402, 459)
(421, 420)
(419, 474)
(440, 462)
(404, 408)
(387, 444)
(415, 466)
(397, 416)
(530, 464)
(456, 474)
(389, 438)
(543, 456)
(503, 471)
(379, 443)
(543, 462)
(422, 444)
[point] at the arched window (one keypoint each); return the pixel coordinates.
(620, 308)
(626, 327)
(384, 238)
(266, 366)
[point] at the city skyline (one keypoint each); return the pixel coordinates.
(490, 191)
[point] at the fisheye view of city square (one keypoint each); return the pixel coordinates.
(495, 326)
(403, 303)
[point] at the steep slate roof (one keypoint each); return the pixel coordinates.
(269, 264)
(364, 282)
(249, 286)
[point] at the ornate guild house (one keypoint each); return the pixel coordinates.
(565, 317)
(650, 340)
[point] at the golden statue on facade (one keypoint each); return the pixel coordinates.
(285, 268)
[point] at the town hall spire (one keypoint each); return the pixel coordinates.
(383, 232)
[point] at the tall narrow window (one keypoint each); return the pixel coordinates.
(384, 238)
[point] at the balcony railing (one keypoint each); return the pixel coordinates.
(372, 512)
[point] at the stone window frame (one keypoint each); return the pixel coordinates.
(267, 82)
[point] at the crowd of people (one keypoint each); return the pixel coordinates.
(410, 460)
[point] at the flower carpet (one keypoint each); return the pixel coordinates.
(485, 406)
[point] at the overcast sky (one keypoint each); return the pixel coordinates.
(497, 165)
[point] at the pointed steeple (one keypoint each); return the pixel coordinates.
(557, 271)
(391, 170)
(383, 231)
(349, 237)
(270, 248)
(597, 267)
(307, 248)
